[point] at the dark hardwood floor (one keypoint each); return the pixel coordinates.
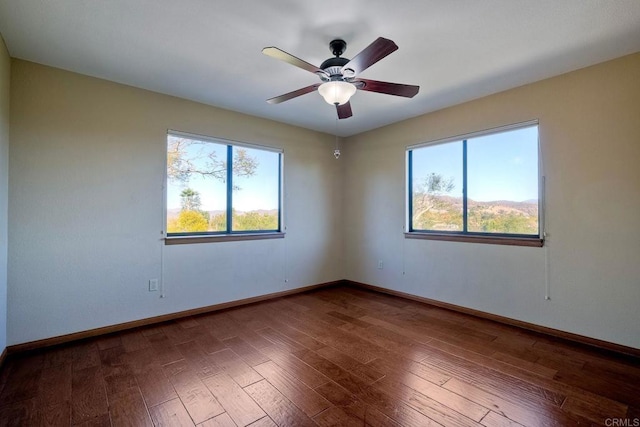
(339, 356)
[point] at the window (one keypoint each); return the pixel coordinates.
(217, 188)
(481, 187)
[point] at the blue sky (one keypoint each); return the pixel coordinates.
(501, 166)
(259, 191)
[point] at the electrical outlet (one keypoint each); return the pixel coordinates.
(153, 285)
(380, 265)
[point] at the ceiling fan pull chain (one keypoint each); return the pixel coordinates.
(336, 151)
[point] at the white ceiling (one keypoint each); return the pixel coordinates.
(210, 50)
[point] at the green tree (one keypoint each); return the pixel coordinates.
(188, 222)
(218, 222)
(255, 221)
(190, 218)
(484, 220)
(431, 210)
(190, 200)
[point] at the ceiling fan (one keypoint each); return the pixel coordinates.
(339, 75)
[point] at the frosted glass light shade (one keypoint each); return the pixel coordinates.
(337, 92)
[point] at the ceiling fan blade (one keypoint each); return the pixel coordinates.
(344, 110)
(294, 94)
(371, 54)
(408, 91)
(276, 53)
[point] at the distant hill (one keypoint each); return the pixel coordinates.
(496, 216)
(527, 207)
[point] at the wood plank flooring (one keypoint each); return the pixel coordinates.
(339, 356)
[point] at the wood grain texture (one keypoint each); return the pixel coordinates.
(296, 367)
(55, 385)
(129, 410)
(493, 419)
(56, 415)
(239, 406)
(169, 414)
(222, 420)
(99, 421)
(88, 397)
(227, 361)
(299, 393)
(22, 413)
(155, 387)
(568, 336)
(248, 353)
(340, 356)
(196, 397)
(264, 422)
(280, 409)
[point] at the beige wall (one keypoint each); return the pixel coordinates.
(5, 68)
(590, 138)
(85, 208)
(87, 164)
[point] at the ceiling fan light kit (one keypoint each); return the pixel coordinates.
(337, 92)
(340, 75)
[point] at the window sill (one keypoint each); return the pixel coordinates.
(491, 240)
(186, 240)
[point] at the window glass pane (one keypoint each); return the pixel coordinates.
(196, 185)
(256, 189)
(437, 187)
(502, 181)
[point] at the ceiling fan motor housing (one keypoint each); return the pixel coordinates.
(337, 46)
(333, 66)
